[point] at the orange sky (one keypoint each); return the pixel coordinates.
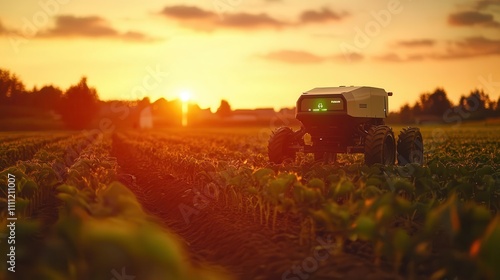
(254, 53)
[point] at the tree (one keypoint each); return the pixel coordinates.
(48, 98)
(224, 110)
(11, 88)
(145, 102)
(497, 109)
(478, 103)
(436, 103)
(417, 109)
(406, 115)
(79, 106)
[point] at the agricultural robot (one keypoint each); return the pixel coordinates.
(346, 120)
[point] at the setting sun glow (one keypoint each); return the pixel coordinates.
(185, 96)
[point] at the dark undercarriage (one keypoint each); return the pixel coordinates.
(333, 132)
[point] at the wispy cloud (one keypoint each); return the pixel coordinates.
(3, 30)
(394, 57)
(202, 20)
(244, 21)
(471, 47)
(182, 12)
(485, 4)
(306, 57)
(323, 15)
(472, 18)
(294, 57)
(458, 49)
(416, 43)
(351, 57)
(91, 26)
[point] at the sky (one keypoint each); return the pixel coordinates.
(253, 53)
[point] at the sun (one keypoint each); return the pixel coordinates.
(185, 96)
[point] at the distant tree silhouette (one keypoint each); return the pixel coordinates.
(79, 105)
(224, 109)
(479, 104)
(436, 103)
(12, 89)
(497, 109)
(169, 112)
(48, 98)
(406, 115)
(417, 109)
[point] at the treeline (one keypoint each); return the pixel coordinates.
(77, 105)
(437, 107)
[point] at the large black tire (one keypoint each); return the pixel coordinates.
(380, 146)
(410, 146)
(278, 147)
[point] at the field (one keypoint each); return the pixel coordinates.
(207, 204)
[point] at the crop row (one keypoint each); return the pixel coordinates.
(101, 230)
(440, 219)
(36, 178)
(24, 149)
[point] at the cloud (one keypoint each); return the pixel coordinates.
(186, 12)
(465, 48)
(324, 15)
(472, 18)
(248, 21)
(471, 47)
(91, 26)
(389, 57)
(348, 57)
(416, 43)
(394, 57)
(202, 20)
(485, 4)
(305, 57)
(294, 57)
(3, 30)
